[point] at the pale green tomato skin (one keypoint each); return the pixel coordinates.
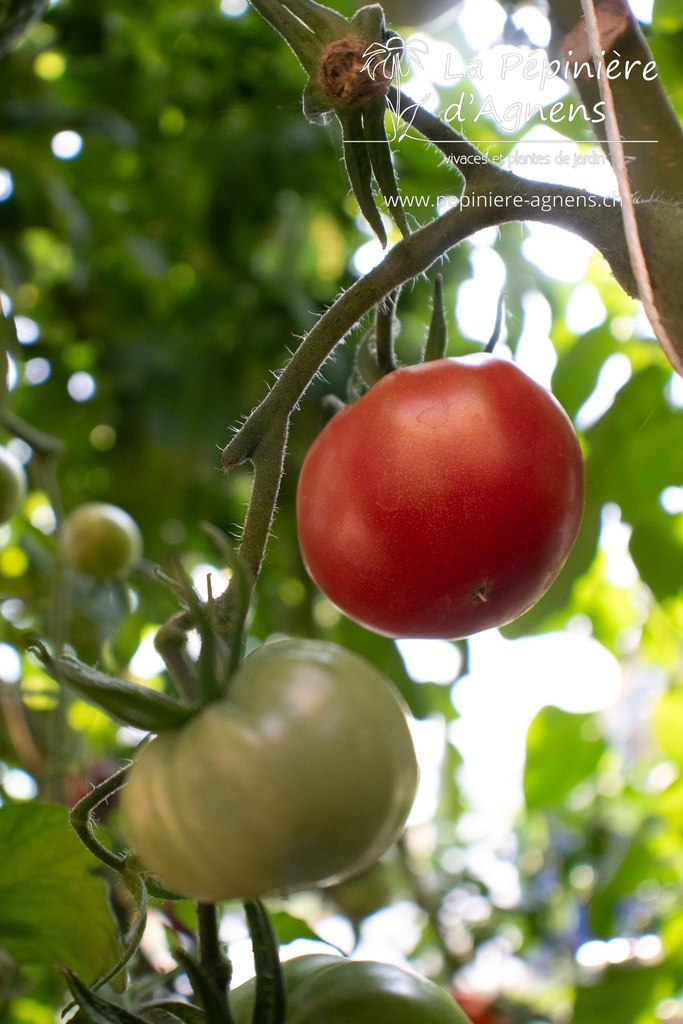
(100, 540)
(12, 485)
(303, 776)
(333, 990)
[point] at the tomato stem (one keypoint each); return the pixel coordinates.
(270, 1004)
(211, 955)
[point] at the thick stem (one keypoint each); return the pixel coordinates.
(211, 957)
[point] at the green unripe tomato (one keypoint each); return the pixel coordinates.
(333, 990)
(364, 894)
(12, 484)
(100, 540)
(303, 775)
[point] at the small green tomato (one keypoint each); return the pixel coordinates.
(100, 540)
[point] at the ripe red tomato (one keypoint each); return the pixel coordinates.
(444, 501)
(478, 1009)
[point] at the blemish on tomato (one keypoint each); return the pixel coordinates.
(481, 594)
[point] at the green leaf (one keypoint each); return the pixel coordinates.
(562, 750)
(53, 909)
(667, 720)
(94, 1008)
(638, 865)
(656, 546)
(635, 449)
(622, 994)
(289, 928)
(667, 16)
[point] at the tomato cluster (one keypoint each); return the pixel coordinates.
(444, 501)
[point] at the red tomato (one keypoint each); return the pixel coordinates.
(444, 501)
(478, 1009)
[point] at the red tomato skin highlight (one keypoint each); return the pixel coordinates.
(444, 501)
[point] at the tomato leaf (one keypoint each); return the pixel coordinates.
(94, 1008)
(130, 703)
(618, 987)
(53, 909)
(290, 928)
(565, 741)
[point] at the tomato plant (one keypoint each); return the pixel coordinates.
(100, 540)
(444, 501)
(12, 484)
(332, 990)
(304, 774)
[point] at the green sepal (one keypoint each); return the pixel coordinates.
(498, 325)
(316, 105)
(185, 1012)
(94, 1008)
(270, 1005)
(359, 170)
(127, 702)
(206, 990)
(365, 360)
(301, 40)
(325, 23)
(379, 152)
(386, 330)
(437, 339)
(368, 23)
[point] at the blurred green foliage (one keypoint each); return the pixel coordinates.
(156, 279)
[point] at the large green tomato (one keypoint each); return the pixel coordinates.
(100, 540)
(332, 990)
(12, 485)
(303, 776)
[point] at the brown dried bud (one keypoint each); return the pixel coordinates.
(350, 72)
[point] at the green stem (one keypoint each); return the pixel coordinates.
(270, 1003)
(427, 903)
(216, 965)
(268, 464)
(81, 820)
